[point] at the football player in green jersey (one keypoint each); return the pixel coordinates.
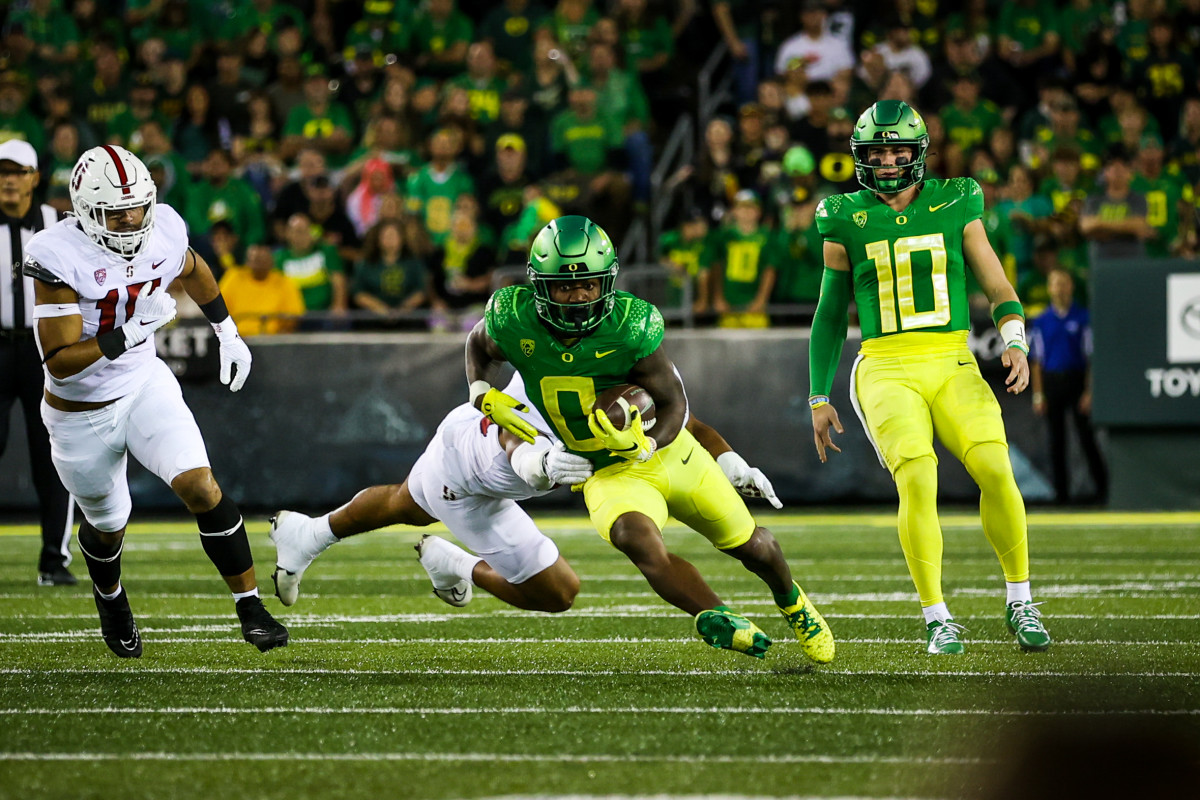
(571, 335)
(900, 249)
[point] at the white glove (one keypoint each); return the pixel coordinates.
(150, 312)
(564, 468)
(751, 482)
(234, 353)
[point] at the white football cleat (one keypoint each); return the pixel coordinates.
(437, 555)
(295, 549)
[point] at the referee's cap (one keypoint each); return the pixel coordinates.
(20, 152)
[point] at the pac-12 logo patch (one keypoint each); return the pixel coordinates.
(860, 218)
(100, 275)
(527, 347)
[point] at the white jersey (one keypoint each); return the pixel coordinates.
(108, 286)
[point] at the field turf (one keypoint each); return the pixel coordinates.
(385, 692)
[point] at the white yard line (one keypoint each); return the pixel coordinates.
(325, 620)
(62, 637)
(397, 711)
(564, 758)
(748, 670)
(1117, 590)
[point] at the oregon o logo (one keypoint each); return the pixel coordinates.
(568, 357)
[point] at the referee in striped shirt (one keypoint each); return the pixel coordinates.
(20, 365)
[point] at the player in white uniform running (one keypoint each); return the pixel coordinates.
(101, 281)
(470, 477)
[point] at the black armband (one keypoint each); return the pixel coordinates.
(215, 310)
(112, 343)
(54, 352)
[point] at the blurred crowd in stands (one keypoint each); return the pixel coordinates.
(384, 157)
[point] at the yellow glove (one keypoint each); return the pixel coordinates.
(632, 444)
(502, 409)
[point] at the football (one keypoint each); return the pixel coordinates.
(618, 402)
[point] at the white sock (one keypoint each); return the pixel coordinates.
(322, 532)
(1018, 592)
(936, 613)
(463, 564)
(239, 595)
(112, 596)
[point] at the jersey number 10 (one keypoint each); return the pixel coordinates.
(898, 284)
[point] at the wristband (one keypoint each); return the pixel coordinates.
(112, 343)
(1013, 334)
(818, 400)
(1006, 308)
(478, 389)
(215, 310)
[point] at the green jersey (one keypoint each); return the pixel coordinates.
(563, 380)
(1163, 195)
(907, 266)
(433, 195)
(746, 258)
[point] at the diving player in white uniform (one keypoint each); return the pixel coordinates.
(470, 477)
(101, 280)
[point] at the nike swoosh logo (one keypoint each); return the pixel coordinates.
(158, 264)
(130, 644)
(148, 323)
(964, 363)
(458, 594)
(942, 205)
(605, 353)
(689, 455)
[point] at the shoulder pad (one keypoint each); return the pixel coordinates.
(34, 270)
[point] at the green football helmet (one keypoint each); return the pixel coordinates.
(889, 122)
(570, 249)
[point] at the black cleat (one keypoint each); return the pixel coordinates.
(259, 628)
(59, 576)
(117, 627)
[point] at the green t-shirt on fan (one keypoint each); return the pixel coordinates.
(433, 196)
(746, 257)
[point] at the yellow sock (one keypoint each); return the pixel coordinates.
(920, 531)
(1001, 508)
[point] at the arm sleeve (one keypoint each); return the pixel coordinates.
(828, 331)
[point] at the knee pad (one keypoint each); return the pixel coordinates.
(223, 536)
(107, 515)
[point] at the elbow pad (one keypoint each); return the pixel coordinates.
(528, 461)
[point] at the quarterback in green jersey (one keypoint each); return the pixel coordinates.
(900, 249)
(571, 335)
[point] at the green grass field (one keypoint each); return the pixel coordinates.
(386, 692)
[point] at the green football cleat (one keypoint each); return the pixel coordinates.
(729, 631)
(811, 628)
(1025, 620)
(943, 638)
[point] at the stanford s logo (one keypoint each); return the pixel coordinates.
(77, 178)
(860, 218)
(527, 347)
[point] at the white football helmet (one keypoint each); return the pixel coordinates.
(108, 180)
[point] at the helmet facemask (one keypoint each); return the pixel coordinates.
(573, 249)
